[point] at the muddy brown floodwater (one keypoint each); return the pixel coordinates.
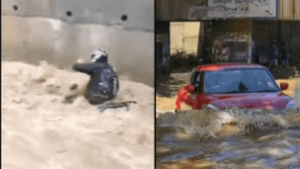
(39, 131)
(231, 138)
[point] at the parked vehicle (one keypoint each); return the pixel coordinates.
(229, 85)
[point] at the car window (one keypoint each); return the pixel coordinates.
(239, 81)
(196, 80)
(193, 79)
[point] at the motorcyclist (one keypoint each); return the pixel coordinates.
(104, 83)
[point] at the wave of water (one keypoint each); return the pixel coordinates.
(41, 131)
(230, 137)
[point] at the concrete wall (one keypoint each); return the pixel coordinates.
(40, 30)
(140, 13)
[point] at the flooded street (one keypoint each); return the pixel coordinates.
(168, 86)
(40, 131)
(232, 138)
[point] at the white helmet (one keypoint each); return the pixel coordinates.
(99, 56)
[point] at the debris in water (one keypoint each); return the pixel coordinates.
(113, 105)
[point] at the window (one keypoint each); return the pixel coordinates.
(196, 81)
(239, 81)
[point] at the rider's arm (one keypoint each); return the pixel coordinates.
(84, 67)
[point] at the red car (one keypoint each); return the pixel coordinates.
(229, 85)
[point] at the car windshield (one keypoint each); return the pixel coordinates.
(239, 81)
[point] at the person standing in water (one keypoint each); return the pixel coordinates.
(285, 54)
(104, 83)
(273, 60)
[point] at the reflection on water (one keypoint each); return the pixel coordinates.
(225, 139)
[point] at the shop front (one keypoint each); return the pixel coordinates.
(229, 41)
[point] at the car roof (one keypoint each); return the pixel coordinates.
(223, 66)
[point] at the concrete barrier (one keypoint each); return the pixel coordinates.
(46, 35)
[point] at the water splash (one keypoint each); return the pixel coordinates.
(209, 123)
(235, 138)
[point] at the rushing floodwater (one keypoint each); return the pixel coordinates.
(225, 139)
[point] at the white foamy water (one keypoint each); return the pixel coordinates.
(232, 138)
(211, 122)
(39, 131)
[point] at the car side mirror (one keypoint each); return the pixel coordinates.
(284, 85)
(190, 88)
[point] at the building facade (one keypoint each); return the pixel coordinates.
(239, 30)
